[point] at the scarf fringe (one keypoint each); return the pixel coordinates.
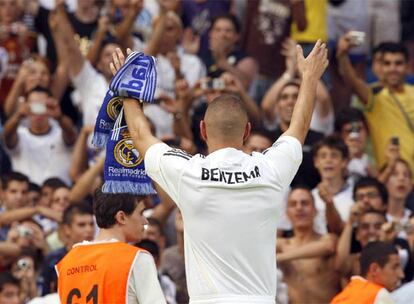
(111, 186)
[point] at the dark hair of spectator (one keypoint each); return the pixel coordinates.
(375, 252)
(230, 17)
(13, 176)
(154, 222)
(303, 187)
(76, 209)
(7, 278)
(392, 47)
(333, 142)
(365, 182)
(107, 205)
(34, 187)
(399, 160)
(54, 183)
(39, 89)
(371, 211)
(149, 246)
(349, 115)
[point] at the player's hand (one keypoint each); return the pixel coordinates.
(316, 63)
(118, 60)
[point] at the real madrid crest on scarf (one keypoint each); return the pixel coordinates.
(124, 166)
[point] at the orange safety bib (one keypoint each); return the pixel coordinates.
(96, 273)
(358, 291)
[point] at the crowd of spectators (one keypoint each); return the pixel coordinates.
(354, 186)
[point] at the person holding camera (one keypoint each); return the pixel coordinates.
(389, 105)
(40, 144)
(25, 271)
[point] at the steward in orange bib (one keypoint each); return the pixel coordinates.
(381, 268)
(108, 270)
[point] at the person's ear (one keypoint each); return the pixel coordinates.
(203, 131)
(247, 131)
(374, 269)
(120, 217)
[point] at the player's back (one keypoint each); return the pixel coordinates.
(230, 215)
(230, 202)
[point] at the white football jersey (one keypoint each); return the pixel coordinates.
(230, 202)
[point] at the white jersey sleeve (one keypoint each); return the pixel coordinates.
(383, 297)
(165, 166)
(143, 284)
(286, 157)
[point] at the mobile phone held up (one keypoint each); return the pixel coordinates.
(357, 38)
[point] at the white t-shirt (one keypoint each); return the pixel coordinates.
(230, 203)
(41, 156)
(343, 202)
(91, 87)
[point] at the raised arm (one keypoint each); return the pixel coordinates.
(138, 125)
(348, 72)
(343, 253)
(324, 247)
(71, 54)
(311, 69)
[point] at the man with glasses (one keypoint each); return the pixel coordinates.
(369, 193)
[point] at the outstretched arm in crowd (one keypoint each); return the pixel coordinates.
(325, 246)
(79, 161)
(63, 34)
(163, 210)
(348, 72)
(86, 182)
(138, 125)
(311, 68)
(343, 261)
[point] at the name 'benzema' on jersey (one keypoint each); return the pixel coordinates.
(229, 177)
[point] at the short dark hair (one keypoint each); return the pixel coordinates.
(375, 252)
(230, 17)
(106, 206)
(302, 187)
(392, 47)
(39, 89)
(348, 115)
(332, 142)
(370, 211)
(34, 187)
(149, 246)
(7, 278)
(368, 181)
(154, 222)
(13, 176)
(54, 183)
(75, 209)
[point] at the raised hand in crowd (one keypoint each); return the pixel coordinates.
(289, 51)
(334, 221)
(392, 154)
(24, 270)
(191, 41)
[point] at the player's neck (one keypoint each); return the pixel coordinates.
(222, 145)
(111, 233)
